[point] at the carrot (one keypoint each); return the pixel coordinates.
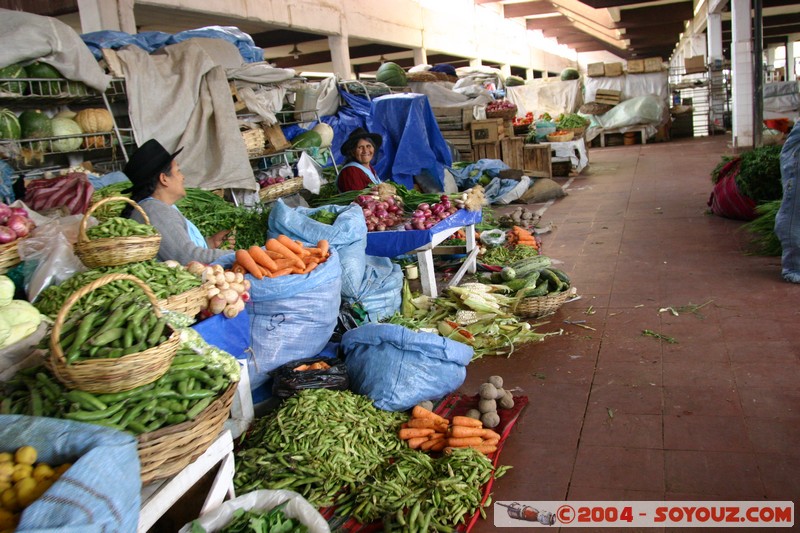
(416, 442)
(277, 246)
(294, 246)
(489, 434)
(464, 431)
(490, 442)
(324, 246)
(421, 412)
(238, 269)
(481, 448)
(283, 263)
(439, 445)
(431, 442)
(404, 425)
(422, 423)
(303, 250)
(410, 433)
(316, 252)
(274, 255)
(467, 421)
(310, 266)
(247, 261)
(281, 272)
(464, 442)
(262, 258)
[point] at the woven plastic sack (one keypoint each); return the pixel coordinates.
(101, 490)
(726, 200)
(291, 317)
(380, 294)
(398, 368)
(347, 235)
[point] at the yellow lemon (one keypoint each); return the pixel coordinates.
(5, 485)
(8, 520)
(60, 469)
(6, 470)
(6, 457)
(26, 491)
(9, 500)
(21, 471)
(42, 471)
(26, 455)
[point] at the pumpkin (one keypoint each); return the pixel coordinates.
(94, 120)
(68, 128)
(9, 125)
(392, 75)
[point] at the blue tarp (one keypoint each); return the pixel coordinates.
(412, 141)
(394, 243)
(231, 335)
(153, 40)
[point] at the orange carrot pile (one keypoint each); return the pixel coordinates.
(319, 365)
(428, 431)
(279, 257)
(518, 236)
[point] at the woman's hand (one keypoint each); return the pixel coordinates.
(224, 237)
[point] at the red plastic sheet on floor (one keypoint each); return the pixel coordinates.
(453, 405)
(726, 200)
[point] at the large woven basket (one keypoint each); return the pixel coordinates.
(577, 133)
(114, 251)
(189, 303)
(505, 114)
(271, 193)
(9, 256)
(254, 139)
(560, 138)
(541, 305)
(167, 451)
(110, 375)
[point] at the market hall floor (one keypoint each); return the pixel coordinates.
(618, 415)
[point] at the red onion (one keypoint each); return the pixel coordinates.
(7, 235)
(19, 211)
(19, 225)
(5, 212)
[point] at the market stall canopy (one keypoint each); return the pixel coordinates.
(181, 97)
(540, 96)
(27, 37)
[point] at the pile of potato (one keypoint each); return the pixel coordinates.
(493, 396)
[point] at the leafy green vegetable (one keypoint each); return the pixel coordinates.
(572, 120)
(759, 176)
(272, 521)
(717, 169)
(764, 241)
(212, 214)
(324, 216)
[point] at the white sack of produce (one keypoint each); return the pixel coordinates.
(398, 368)
(262, 500)
(291, 317)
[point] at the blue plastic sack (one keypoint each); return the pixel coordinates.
(398, 368)
(291, 317)
(101, 490)
(787, 220)
(380, 294)
(347, 235)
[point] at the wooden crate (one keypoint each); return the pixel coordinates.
(537, 160)
(275, 141)
(635, 66)
(511, 151)
(653, 64)
(238, 103)
(607, 96)
(612, 69)
(486, 151)
(487, 131)
(461, 141)
(452, 118)
(595, 70)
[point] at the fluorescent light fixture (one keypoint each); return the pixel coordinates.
(295, 52)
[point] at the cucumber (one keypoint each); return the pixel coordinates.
(562, 276)
(528, 266)
(508, 273)
(554, 282)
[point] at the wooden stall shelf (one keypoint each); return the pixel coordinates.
(274, 140)
(486, 151)
(653, 64)
(487, 131)
(607, 96)
(511, 151)
(536, 160)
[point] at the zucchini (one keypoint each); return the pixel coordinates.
(562, 276)
(555, 283)
(530, 265)
(508, 273)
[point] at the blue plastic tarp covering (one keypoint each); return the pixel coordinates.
(412, 141)
(153, 40)
(231, 335)
(394, 243)
(466, 177)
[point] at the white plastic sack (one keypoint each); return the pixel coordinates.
(311, 173)
(264, 500)
(516, 192)
(328, 101)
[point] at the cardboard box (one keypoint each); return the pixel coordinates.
(487, 131)
(595, 70)
(612, 69)
(695, 64)
(635, 66)
(653, 64)
(607, 96)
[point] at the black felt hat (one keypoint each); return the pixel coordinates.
(357, 135)
(145, 162)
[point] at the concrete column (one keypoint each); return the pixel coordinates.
(792, 51)
(529, 75)
(742, 79)
(714, 30)
(475, 63)
(420, 56)
(340, 57)
(127, 22)
(770, 53)
(99, 15)
(505, 69)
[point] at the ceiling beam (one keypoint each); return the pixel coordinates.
(667, 29)
(273, 38)
(772, 31)
(527, 9)
(47, 8)
(605, 4)
(578, 10)
(559, 21)
(655, 15)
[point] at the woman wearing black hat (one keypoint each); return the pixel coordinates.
(358, 172)
(157, 184)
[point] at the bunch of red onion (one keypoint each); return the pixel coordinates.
(272, 180)
(426, 216)
(500, 105)
(15, 223)
(381, 214)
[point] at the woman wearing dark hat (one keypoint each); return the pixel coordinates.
(157, 185)
(358, 172)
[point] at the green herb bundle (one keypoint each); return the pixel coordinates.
(759, 176)
(212, 214)
(762, 229)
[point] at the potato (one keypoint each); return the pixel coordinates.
(497, 381)
(488, 391)
(473, 413)
(487, 406)
(427, 404)
(500, 393)
(490, 420)
(507, 401)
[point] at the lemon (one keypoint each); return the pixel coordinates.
(26, 491)
(42, 471)
(6, 457)
(5, 485)
(9, 500)
(7, 520)
(60, 469)
(26, 455)
(21, 471)
(6, 471)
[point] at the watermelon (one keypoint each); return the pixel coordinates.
(35, 125)
(66, 127)
(9, 125)
(43, 70)
(570, 74)
(12, 72)
(392, 75)
(308, 139)
(514, 81)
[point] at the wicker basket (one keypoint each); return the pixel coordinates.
(114, 251)
(273, 192)
(110, 375)
(189, 303)
(9, 256)
(577, 132)
(166, 451)
(505, 114)
(543, 305)
(561, 138)
(254, 139)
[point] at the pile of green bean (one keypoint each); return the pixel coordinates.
(163, 280)
(120, 227)
(110, 209)
(317, 443)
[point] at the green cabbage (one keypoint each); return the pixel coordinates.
(7, 290)
(22, 318)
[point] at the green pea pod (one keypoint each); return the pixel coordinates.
(155, 333)
(86, 400)
(198, 408)
(107, 337)
(90, 416)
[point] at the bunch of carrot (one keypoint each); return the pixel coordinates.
(518, 236)
(428, 431)
(279, 257)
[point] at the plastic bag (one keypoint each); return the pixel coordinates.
(398, 367)
(311, 172)
(493, 237)
(287, 381)
(101, 490)
(264, 500)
